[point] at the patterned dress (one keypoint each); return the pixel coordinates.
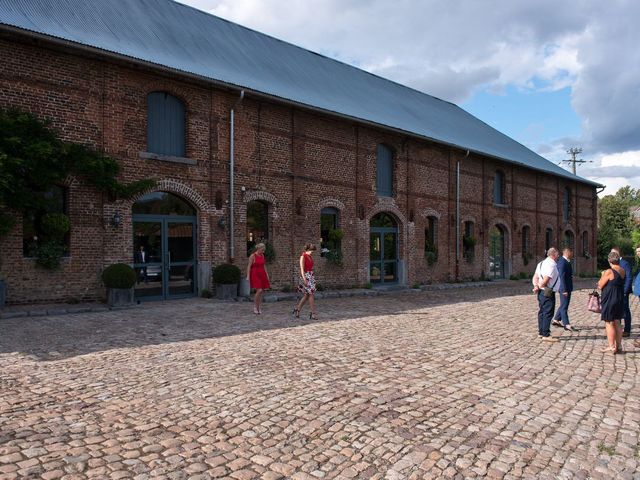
(310, 288)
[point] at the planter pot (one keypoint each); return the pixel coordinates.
(225, 292)
(3, 293)
(245, 288)
(119, 297)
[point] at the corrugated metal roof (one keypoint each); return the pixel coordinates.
(173, 35)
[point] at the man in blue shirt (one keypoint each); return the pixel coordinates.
(628, 281)
(566, 287)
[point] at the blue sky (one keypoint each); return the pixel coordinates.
(552, 74)
(531, 117)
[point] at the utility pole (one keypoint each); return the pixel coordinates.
(574, 152)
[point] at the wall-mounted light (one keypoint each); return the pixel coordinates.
(222, 223)
(116, 220)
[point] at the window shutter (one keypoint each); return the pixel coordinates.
(384, 171)
(165, 124)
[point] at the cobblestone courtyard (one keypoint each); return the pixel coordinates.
(450, 384)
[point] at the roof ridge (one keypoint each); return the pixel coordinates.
(307, 50)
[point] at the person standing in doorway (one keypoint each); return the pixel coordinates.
(565, 270)
(257, 276)
(612, 285)
(307, 284)
(628, 283)
(546, 284)
(141, 256)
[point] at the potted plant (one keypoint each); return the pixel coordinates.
(431, 254)
(469, 245)
(334, 244)
(226, 278)
(119, 280)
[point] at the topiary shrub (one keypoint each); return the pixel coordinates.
(226, 274)
(48, 254)
(119, 275)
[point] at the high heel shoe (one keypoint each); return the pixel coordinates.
(312, 316)
(296, 313)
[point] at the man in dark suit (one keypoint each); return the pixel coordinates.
(628, 283)
(141, 256)
(566, 287)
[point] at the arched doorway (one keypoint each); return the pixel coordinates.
(164, 246)
(497, 250)
(383, 249)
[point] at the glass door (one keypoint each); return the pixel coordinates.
(496, 253)
(383, 255)
(180, 259)
(148, 259)
(164, 257)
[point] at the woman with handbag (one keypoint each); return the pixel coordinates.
(612, 302)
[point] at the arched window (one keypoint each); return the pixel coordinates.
(526, 235)
(566, 204)
(384, 171)
(431, 238)
(548, 239)
(568, 240)
(585, 243)
(165, 124)
(499, 189)
(329, 222)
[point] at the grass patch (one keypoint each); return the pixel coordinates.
(602, 448)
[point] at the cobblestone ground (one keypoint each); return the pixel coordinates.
(410, 385)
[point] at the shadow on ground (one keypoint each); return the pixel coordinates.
(56, 338)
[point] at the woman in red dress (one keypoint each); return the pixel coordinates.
(257, 276)
(307, 284)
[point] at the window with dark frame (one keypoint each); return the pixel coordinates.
(431, 236)
(468, 241)
(384, 171)
(526, 234)
(329, 220)
(548, 239)
(32, 233)
(166, 121)
(257, 224)
(566, 204)
(499, 188)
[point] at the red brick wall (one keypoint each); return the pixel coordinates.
(296, 160)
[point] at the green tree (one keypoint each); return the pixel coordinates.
(33, 160)
(616, 223)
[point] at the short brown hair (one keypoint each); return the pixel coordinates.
(309, 246)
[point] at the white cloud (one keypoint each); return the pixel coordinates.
(454, 48)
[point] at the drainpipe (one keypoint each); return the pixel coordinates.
(458, 216)
(231, 178)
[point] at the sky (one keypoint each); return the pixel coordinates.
(552, 74)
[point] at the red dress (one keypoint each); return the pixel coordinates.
(258, 275)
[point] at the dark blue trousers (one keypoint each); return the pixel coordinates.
(627, 314)
(546, 307)
(563, 310)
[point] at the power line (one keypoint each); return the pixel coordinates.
(574, 152)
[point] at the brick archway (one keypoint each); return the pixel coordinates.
(184, 191)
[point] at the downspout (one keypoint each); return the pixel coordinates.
(458, 216)
(231, 178)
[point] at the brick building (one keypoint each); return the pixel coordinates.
(422, 191)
